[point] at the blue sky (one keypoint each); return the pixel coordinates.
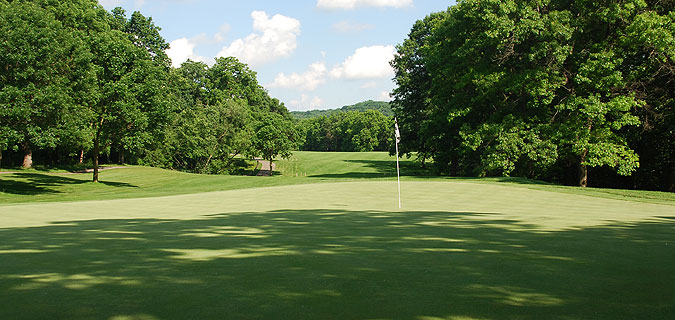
(310, 54)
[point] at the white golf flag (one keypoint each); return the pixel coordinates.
(398, 170)
(398, 134)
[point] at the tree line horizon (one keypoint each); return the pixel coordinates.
(576, 92)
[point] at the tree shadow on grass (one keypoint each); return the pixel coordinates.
(37, 183)
(382, 168)
(334, 264)
(387, 168)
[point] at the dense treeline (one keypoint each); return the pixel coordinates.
(79, 82)
(576, 91)
(216, 116)
(368, 130)
(381, 106)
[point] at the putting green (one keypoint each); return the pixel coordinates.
(530, 208)
(456, 250)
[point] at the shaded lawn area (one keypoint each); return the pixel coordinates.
(337, 264)
(31, 184)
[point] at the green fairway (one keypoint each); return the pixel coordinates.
(301, 168)
(457, 250)
(324, 239)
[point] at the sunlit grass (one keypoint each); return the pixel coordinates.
(457, 250)
(324, 239)
(301, 168)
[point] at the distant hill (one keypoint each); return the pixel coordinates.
(381, 106)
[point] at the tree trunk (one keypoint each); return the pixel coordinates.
(583, 170)
(96, 155)
(271, 170)
(81, 156)
(271, 166)
(583, 176)
(27, 156)
(671, 180)
(0, 159)
(121, 157)
(454, 166)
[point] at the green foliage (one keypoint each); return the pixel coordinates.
(381, 106)
(229, 79)
(206, 138)
(79, 80)
(44, 71)
(215, 118)
(274, 136)
(530, 88)
(348, 131)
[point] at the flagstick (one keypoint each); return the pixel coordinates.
(398, 177)
(397, 134)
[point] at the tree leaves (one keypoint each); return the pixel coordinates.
(492, 87)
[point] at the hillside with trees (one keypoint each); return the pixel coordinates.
(381, 106)
(576, 92)
(368, 130)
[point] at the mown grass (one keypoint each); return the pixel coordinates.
(47, 185)
(325, 239)
(457, 250)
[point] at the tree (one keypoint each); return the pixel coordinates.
(207, 138)
(231, 79)
(348, 131)
(649, 42)
(130, 72)
(151, 89)
(274, 136)
(526, 88)
(77, 79)
(411, 96)
(44, 67)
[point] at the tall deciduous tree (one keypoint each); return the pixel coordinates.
(274, 136)
(44, 65)
(413, 84)
(527, 88)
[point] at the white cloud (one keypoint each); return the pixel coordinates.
(307, 103)
(366, 63)
(309, 80)
(277, 39)
(110, 3)
(222, 31)
(369, 85)
(385, 96)
(351, 4)
(346, 26)
(218, 37)
(180, 50)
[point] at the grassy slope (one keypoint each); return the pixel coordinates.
(130, 182)
(457, 250)
(302, 168)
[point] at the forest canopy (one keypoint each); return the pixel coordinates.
(79, 82)
(579, 92)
